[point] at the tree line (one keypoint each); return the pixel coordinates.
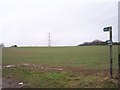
(97, 42)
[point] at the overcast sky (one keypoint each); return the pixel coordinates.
(70, 22)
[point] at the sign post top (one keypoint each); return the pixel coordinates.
(107, 29)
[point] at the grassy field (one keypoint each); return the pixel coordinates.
(55, 67)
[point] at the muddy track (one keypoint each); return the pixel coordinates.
(9, 82)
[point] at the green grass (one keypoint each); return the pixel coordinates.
(88, 57)
(33, 79)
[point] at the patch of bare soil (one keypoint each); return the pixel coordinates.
(104, 73)
(10, 83)
(79, 70)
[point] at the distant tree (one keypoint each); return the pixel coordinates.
(95, 42)
(87, 43)
(14, 46)
(98, 42)
(2, 45)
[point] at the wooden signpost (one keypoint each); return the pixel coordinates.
(106, 29)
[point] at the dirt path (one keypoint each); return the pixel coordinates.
(10, 83)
